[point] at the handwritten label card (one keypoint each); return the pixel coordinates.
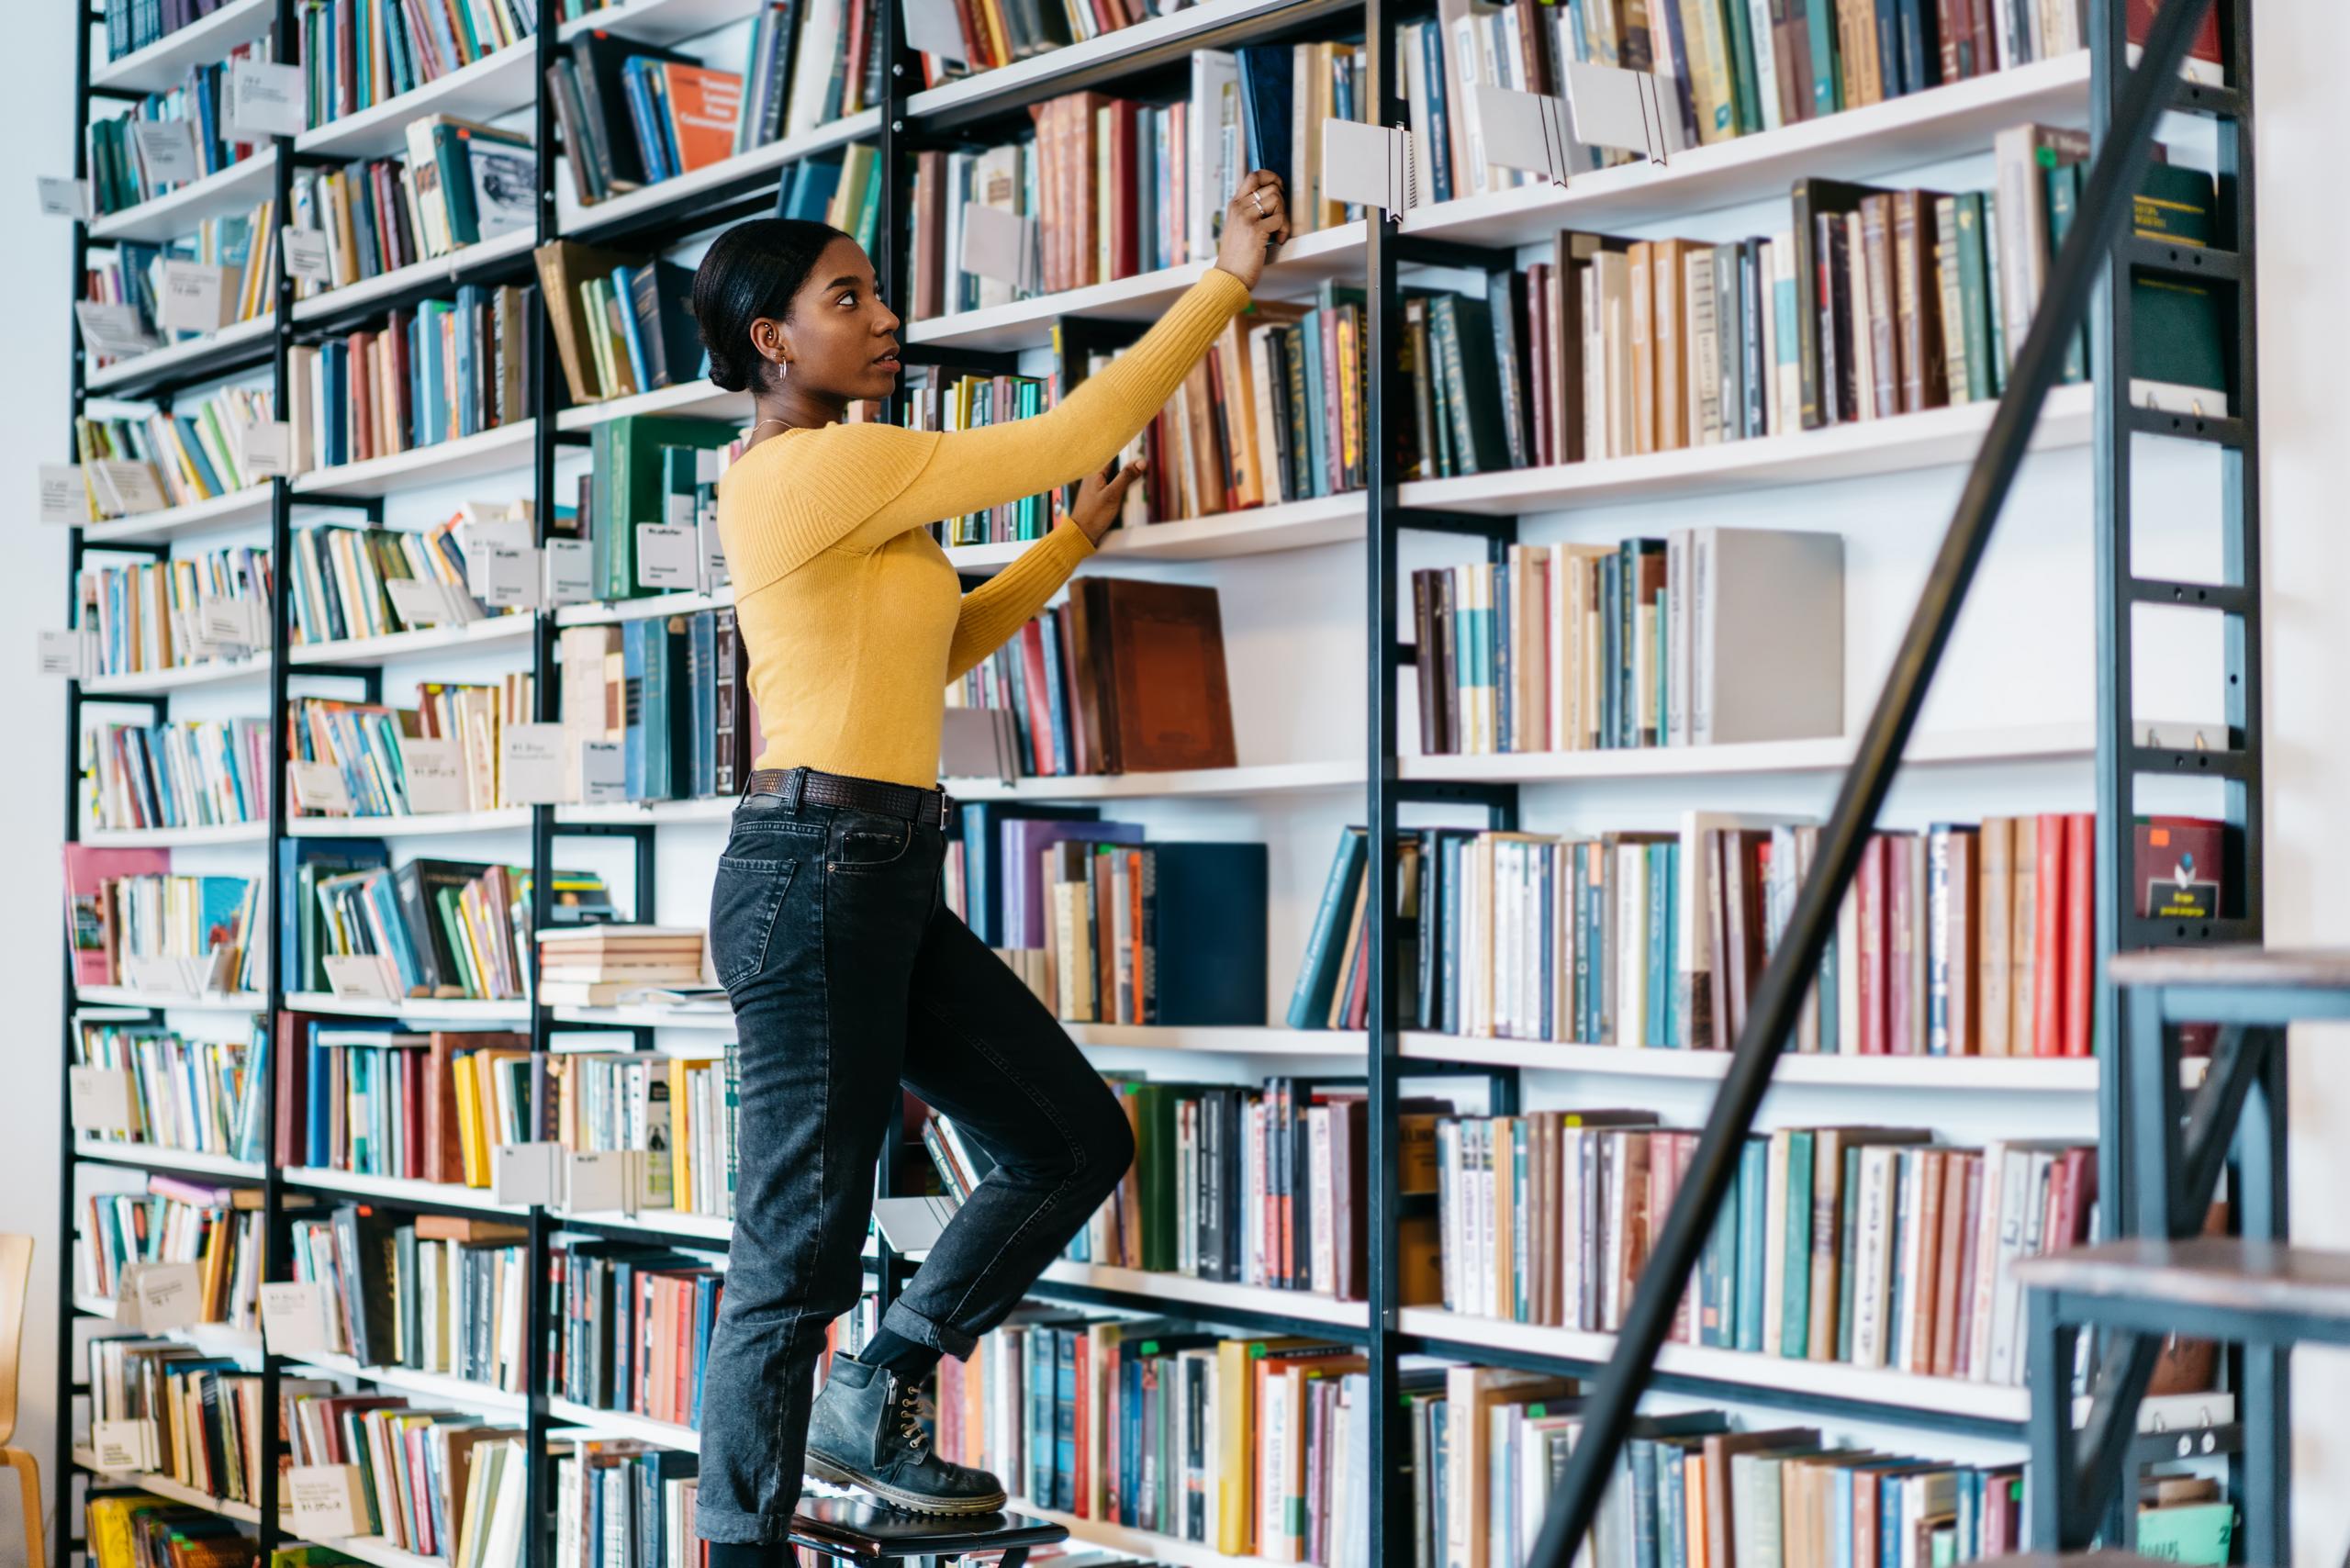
(122, 1447)
(293, 1318)
(531, 766)
(305, 250)
(363, 976)
(434, 774)
(63, 198)
(160, 1296)
(666, 557)
(193, 297)
(266, 100)
(167, 151)
(328, 1503)
(603, 772)
(320, 787)
(100, 1099)
(64, 496)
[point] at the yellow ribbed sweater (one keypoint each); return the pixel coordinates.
(851, 615)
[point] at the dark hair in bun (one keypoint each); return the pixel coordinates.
(752, 271)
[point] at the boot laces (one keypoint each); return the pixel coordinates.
(906, 1408)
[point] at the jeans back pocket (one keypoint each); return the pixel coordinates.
(744, 905)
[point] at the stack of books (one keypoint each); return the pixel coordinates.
(363, 759)
(194, 773)
(596, 966)
(436, 1293)
(413, 1105)
(370, 582)
(459, 182)
(174, 1221)
(673, 692)
(648, 469)
(359, 53)
(119, 176)
(1677, 641)
(443, 370)
(149, 615)
(194, 453)
(125, 908)
(197, 1095)
(437, 1484)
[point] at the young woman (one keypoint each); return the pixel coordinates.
(848, 975)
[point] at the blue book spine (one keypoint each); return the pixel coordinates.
(1449, 978)
(1310, 324)
(624, 291)
(321, 1111)
(1065, 1423)
(1505, 710)
(633, 708)
(701, 665)
(1753, 1176)
(1659, 945)
(1056, 711)
(1641, 1451)
(1439, 137)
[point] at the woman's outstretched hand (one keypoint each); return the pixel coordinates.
(1258, 216)
(1100, 496)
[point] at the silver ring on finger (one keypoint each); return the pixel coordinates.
(1259, 202)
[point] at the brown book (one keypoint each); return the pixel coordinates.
(929, 290)
(1995, 929)
(1961, 919)
(1970, 1230)
(1668, 261)
(1828, 1150)
(564, 265)
(1883, 394)
(2023, 910)
(1950, 1256)
(1922, 1196)
(1790, 60)
(1643, 347)
(1720, 1533)
(1155, 675)
(1419, 1261)
(474, 1230)
(1917, 303)
(1856, 38)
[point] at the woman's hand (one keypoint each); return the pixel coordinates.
(1100, 496)
(1258, 216)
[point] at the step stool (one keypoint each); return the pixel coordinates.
(2159, 1276)
(860, 1531)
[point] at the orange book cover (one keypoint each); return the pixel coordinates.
(703, 105)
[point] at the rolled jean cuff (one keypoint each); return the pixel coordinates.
(904, 1320)
(731, 1526)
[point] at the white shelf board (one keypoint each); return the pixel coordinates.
(180, 837)
(1264, 778)
(2021, 743)
(1764, 1373)
(2033, 1075)
(175, 355)
(1250, 1040)
(683, 1225)
(165, 1487)
(647, 813)
(212, 1338)
(176, 678)
(611, 611)
(447, 1195)
(206, 41)
(458, 1009)
(490, 87)
(1857, 144)
(1292, 525)
(1021, 75)
(1182, 1290)
(699, 399)
(1147, 1544)
(429, 825)
(759, 160)
(237, 509)
(239, 188)
(1935, 437)
(490, 631)
(430, 270)
(374, 1549)
(131, 996)
(720, 1018)
(159, 1157)
(1305, 263)
(625, 1423)
(483, 452)
(441, 1386)
(659, 21)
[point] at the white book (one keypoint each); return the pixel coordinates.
(1974, 1357)
(1871, 1254)
(1574, 1235)
(811, 72)
(1450, 1236)
(1903, 1320)
(1704, 347)
(1786, 390)
(1766, 65)
(1863, 340)
(1322, 1256)
(1750, 680)
(1632, 874)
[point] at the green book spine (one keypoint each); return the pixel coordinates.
(1753, 1179)
(2064, 181)
(1847, 1244)
(1827, 94)
(1795, 1338)
(1975, 293)
(1744, 87)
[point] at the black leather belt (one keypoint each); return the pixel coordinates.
(932, 806)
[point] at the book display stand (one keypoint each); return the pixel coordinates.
(1363, 546)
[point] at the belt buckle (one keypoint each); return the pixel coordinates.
(945, 810)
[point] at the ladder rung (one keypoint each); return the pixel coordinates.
(2226, 598)
(2198, 99)
(2138, 931)
(2245, 1283)
(2218, 429)
(2187, 764)
(2176, 260)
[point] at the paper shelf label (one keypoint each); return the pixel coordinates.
(360, 977)
(293, 1318)
(123, 1446)
(666, 557)
(64, 495)
(159, 1297)
(99, 1099)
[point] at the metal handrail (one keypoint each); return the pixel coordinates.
(2064, 307)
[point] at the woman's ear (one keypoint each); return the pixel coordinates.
(767, 342)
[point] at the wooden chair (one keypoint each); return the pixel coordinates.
(15, 1276)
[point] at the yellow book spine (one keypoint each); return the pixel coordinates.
(681, 1133)
(471, 1156)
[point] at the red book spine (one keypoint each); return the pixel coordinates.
(2047, 944)
(1040, 717)
(412, 1114)
(1082, 1350)
(1900, 928)
(1872, 956)
(2080, 928)
(1112, 1423)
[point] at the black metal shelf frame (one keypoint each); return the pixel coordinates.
(899, 132)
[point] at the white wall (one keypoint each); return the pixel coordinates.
(35, 258)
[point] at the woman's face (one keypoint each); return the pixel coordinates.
(841, 339)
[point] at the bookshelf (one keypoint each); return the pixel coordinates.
(1351, 551)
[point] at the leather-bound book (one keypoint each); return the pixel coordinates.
(1150, 674)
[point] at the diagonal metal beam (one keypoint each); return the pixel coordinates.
(1607, 1414)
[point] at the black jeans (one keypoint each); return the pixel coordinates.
(849, 977)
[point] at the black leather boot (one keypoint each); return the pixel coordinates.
(866, 1431)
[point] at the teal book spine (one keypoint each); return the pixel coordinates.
(1753, 1177)
(1845, 1235)
(1795, 1337)
(1659, 936)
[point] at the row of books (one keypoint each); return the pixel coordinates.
(410, 1104)
(132, 24)
(201, 1096)
(198, 1416)
(124, 909)
(366, 760)
(1091, 686)
(1871, 1245)
(239, 247)
(624, 1503)
(436, 1482)
(672, 692)
(120, 173)
(349, 583)
(459, 182)
(359, 53)
(1153, 933)
(1677, 641)
(174, 1221)
(1962, 940)
(146, 616)
(194, 453)
(443, 370)
(191, 773)
(997, 32)
(623, 324)
(634, 114)
(429, 1293)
